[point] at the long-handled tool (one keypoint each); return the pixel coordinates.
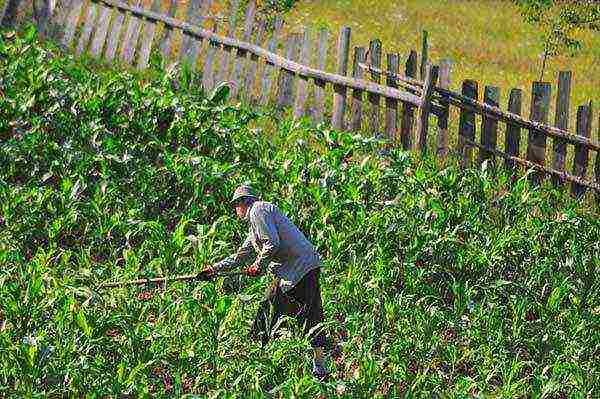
(188, 277)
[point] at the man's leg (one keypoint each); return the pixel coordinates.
(308, 293)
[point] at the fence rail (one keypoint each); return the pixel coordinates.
(366, 95)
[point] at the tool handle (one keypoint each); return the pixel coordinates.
(187, 277)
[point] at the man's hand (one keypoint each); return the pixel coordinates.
(253, 271)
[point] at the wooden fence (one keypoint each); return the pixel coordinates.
(366, 95)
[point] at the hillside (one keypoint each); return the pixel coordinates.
(436, 281)
(487, 40)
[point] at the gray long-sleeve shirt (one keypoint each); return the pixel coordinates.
(278, 243)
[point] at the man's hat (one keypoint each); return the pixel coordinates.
(243, 191)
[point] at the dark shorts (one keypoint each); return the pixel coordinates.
(303, 302)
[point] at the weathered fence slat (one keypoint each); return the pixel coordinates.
(8, 18)
(131, 37)
(58, 19)
(339, 97)
(563, 102)
(391, 104)
(302, 92)
(71, 23)
(597, 167)
(319, 108)
(431, 78)
(580, 162)
(195, 44)
(148, 37)
(251, 74)
(513, 132)
(536, 142)
(42, 12)
(489, 124)
(242, 55)
(424, 54)
(442, 137)
(114, 34)
(86, 31)
(356, 107)
(167, 35)
(268, 72)
(101, 31)
(208, 71)
(466, 126)
(285, 81)
(374, 58)
(225, 57)
(186, 40)
(408, 109)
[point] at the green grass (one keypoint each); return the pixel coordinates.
(435, 281)
(486, 40)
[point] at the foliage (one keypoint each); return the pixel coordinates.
(436, 281)
(561, 23)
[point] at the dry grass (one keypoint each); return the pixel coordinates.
(486, 40)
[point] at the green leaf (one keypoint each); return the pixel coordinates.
(220, 94)
(83, 323)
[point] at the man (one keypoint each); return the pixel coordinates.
(278, 243)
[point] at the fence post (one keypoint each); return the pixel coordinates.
(148, 37)
(268, 72)
(408, 110)
(86, 30)
(71, 22)
(249, 86)
(391, 104)
(536, 146)
(8, 18)
(489, 124)
(442, 140)
(597, 167)
(101, 31)
(285, 82)
(580, 162)
(197, 43)
(466, 127)
(227, 54)
(563, 102)
(43, 14)
(339, 97)
(431, 77)
(424, 54)
(241, 55)
(356, 108)
(375, 60)
(191, 15)
(112, 41)
(167, 35)
(302, 93)
(208, 71)
(131, 37)
(513, 131)
(320, 84)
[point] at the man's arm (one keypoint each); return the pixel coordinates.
(243, 254)
(267, 235)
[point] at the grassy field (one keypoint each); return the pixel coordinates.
(436, 282)
(486, 40)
